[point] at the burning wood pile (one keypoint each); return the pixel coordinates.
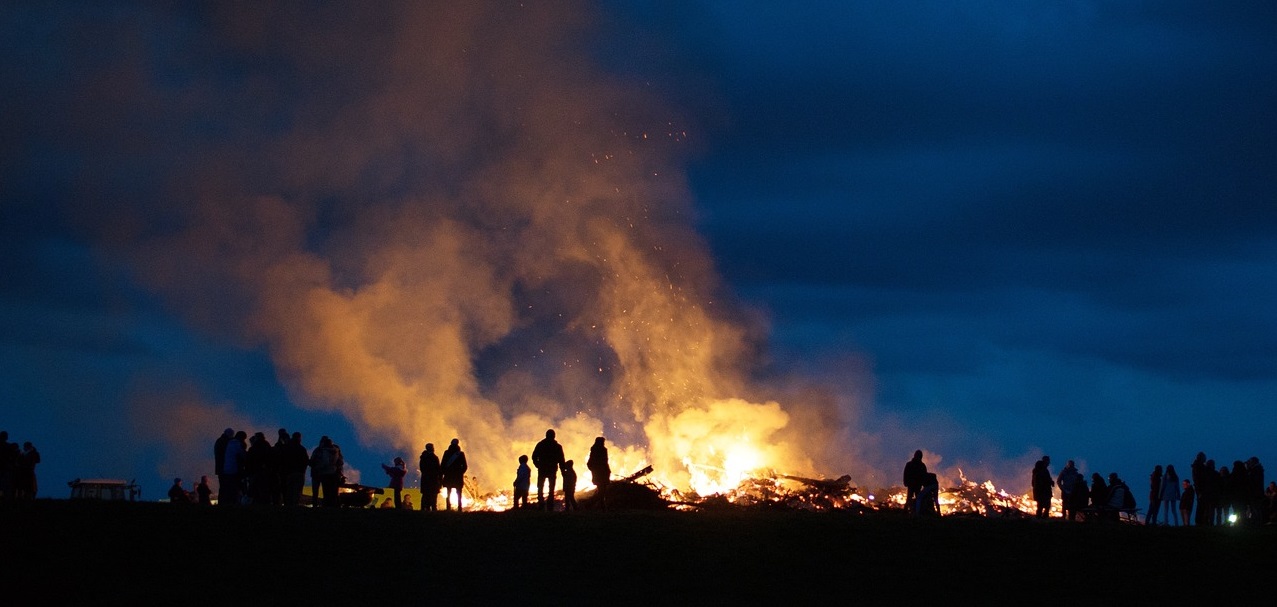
(638, 491)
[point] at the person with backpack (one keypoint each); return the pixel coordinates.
(325, 471)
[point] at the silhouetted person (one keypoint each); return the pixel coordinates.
(1042, 486)
(547, 457)
(1119, 498)
(8, 466)
(232, 468)
(1186, 497)
(1066, 481)
(177, 494)
(204, 493)
(1198, 474)
(326, 468)
(1099, 494)
(279, 467)
(396, 472)
(1154, 495)
(522, 482)
(407, 502)
(1170, 496)
(1256, 501)
(453, 465)
(224, 482)
(914, 475)
(928, 497)
(1079, 497)
(431, 478)
(259, 469)
(600, 470)
(569, 487)
(296, 460)
(25, 481)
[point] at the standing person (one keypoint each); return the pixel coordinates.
(1186, 502)
(569, 487)
(1154, 495)
(219, 464)
(259, 469)
(279, 467)
(453, 466)
(296, 462)
(1198, 473)
(397, 472)
(428, 464)
(522, 482)
(547, 457)
(1099, 493)
(1079, 498)
(1170, 496)
(325, 472)
(914, 475)
(1066, 481)
(233, 468)
(1256, 501)
(204, 493)
(27, 486)
(1042, 486)
(600, 471)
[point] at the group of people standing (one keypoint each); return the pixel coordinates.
(252, 470)
(549, 461)
(1224, 495)
(17, 469)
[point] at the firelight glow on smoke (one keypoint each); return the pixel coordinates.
(445, 220)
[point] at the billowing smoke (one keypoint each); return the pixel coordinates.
(442, 220)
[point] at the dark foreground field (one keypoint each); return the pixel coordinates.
(68, 552)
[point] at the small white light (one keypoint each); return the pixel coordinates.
(1232, 519)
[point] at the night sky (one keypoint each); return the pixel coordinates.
(988, 230)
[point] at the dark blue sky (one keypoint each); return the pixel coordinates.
(990, 231)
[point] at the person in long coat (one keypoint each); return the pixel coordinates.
(428, 464)
(453, 465)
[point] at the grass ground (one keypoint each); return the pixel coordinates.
(80, 552)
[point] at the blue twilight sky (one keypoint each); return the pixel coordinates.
(991, 230)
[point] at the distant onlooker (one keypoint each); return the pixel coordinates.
(296, 462)
(27, 488)
(8, 462)
(1186, 497)
(928, 498)
(397, 472)
(1042, 486)
(1170, 496)
(1154, 495)
(569, 487)
(600, 470)
(386, 503)
(453, 466)
(224, 481)
(204, 493)
(325, 472)
(177, 494)
(914, 475)
(522, 482)
(1099, 493)
(1078, 498)
(547, 456)
(232, 468)
(428, 465)
(1066, 481)
(407, 502)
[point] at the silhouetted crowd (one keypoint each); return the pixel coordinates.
(251, 470)
(17, 470)
(1211, 496)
